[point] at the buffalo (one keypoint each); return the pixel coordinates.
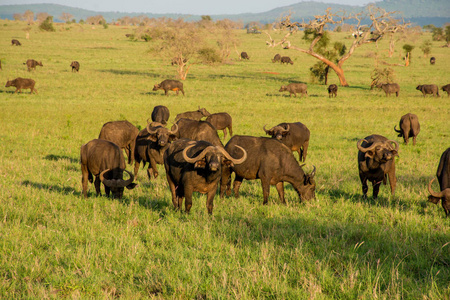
(121, 133)
(32, 64)
(433, 60)
(169, 85)
(409, 127)
(193, 115)
(389, 88)
(75, 66)
(294, 88)
(160, 114)
(196, 166)
(286, 60)
(244, 55)
(15, 42)
(270, 161)
(151, 143)
(443, 176)
(276, 58)
(105, 161)
(332, 90)
(376, 162)
(428, 89)
(221, 121)
(22, 83)
(197, 130)
(446, 88)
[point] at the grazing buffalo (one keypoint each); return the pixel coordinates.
(294, 88)
(105, 161)
(446, 88)
(197, 131)
(271, 162)
(428, 89)
(332, 90)
(151, 143)
(221, 121)
(244, 55)
(15, 42)
(22, 83)
(286, 60)
(193, 115)
(294, 135)
(376, 162)
(389, 88)
(160, 114)
(432, 60)
(276, 58)
(32, 64)
(409, 127)
(443, 176)
(121, 133)
(169, 85)
(196, 166)
(75, 66)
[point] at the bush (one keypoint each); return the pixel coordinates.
(47, 24)
(209, 55)
(379, 75)
(426, 48)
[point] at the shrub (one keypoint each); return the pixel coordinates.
(209, 55)
(47, 24)
(426, 48)
(379, 75)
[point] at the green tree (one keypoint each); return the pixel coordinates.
(47, 24)
(426, 48)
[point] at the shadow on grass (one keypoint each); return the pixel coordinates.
(54, 157)
(50, 187)
(129, 72)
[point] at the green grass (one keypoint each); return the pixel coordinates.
(56, 244)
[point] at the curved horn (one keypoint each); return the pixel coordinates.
(364, 150)
(235, 161)
(287, 128)
(395, 128)
(389, 142)
(174, 131)
(116, 182)
(313, 171)
(193, 160)
(153, 124)
(264, 127)
(432, 193)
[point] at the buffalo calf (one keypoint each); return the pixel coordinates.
(32, 64)
(294, 88)
(332, 90)
(169, 85)
(22, 83)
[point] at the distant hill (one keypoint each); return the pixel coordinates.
(420, 12)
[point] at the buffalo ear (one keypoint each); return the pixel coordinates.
(152, 137)
(269, 132)
(172, 137)
(200, 164)
(433, 199)
(394, 152)
(228, 163)
(131, 186)
(370, 154)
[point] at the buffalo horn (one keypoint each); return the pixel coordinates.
(174, 131)
(313, 171)
(234, 160)
(153, 124)
(287, 128)
(395, 128)
(264, 127)
(432, 193)
(364, 150)
(193, 160)
(389, 142)
(116, 182)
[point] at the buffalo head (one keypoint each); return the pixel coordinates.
(277, 131)
(158, 133)
(436, 197)
(203, 111)
(379, 152)
(117, 185)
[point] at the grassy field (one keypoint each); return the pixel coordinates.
(56, 244)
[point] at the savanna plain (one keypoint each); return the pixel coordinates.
(56, 244)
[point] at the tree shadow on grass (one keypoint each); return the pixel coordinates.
(129, 72)
(54, 157)
(52, 188)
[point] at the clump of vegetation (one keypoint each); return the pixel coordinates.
(209, 55)
(378, 76)
(47, 24)
(426, 48)
(408, 49)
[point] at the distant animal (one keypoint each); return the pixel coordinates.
(160, 114)
(432, 60)
(129, 35)
(389, 88)
(15, 42)
(443, 176)
(169, 85)
(197, 131)
(177, 60)
(75, 66)
(244, 55)
(409, 127)
(31, 64)
(428, 89)
(294, 88)
(446, 88)
(22, 83)
(104, 160)
(193, 115)
(121, 133)
(276, 58)
(271, 162)
(196, 166)
(376, 162)
(286, 60)
(221, 121)
(294, 135)
(332, 90)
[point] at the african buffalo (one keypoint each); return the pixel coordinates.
(15, 42)
(160, 114)
(221, 121)
(446, 88)
(286, 60)
(193, 115)
(151, 143)
(197, 130)
(105, 161)
(294, 135)
(428, 89)
(169, 85)
(443, 176)
(22, 83)
(432, 60)
(244, 55)
(409, 127)
(196, 166)
(270, 161)
(121, 133)
(389, 88)
(32, 64)
(332, 90)
(294, 88)
(276, 58)
(376, 162)
(75, 66)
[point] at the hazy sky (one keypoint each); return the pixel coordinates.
(198, 7)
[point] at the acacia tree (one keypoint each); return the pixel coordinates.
(66, 17)
(381, 23)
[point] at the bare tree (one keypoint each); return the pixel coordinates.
(17, 17)
(40, 17)
(381, 23)
(66, 17)
(28, 16)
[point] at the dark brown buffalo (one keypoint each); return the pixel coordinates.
(276, 58)
(443, 176)
(22, 83)
(169, 85)
(332, 90)
(286, 60)
(432, 60)
(389, 88)
(105, 161)
(294, 135)
(193, 115)
(197, 131)
(376, 162)
(446, 88)
(221, 121)
(244, 55)
(270, 161)
(294, 88)
(151, 143)
(75, 66)
(15, 42)
(121, 133)
(32, 64)
(409, 127)
(160, 114)
(196, 166)
(428, 89)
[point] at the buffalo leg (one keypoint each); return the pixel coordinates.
(236, 185)
(392, 179)
(97, 183)
(376, 188)
(225, 181)
(136, 168)
(173, 189)
(224, 133)
(153, 166)
(187, 198)
(414, 140)
(266, 190)
(230, 129)
(365, 187)
(406, 138)
(210, 200)
(84, 179)
(280, 190)
(107, 190)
